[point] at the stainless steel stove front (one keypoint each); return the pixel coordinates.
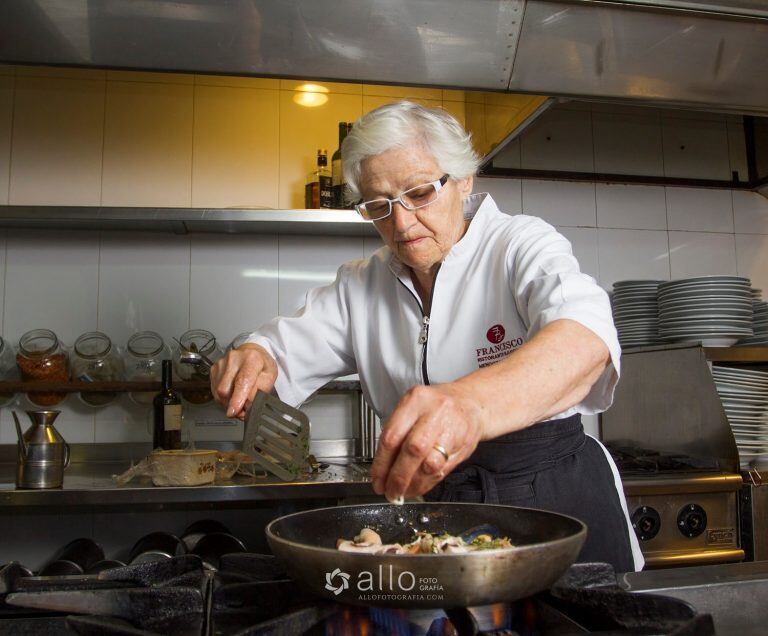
(686, 519)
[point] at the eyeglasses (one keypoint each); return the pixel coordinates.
(412, 199)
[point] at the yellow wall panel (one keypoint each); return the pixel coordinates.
(403, 92)
(457, 109)
(343, 88)
(237, 82)
(57, 141)
(151, 78)
(6, 115)
(7, 69)
(148, 145)
(302, 131)
(236, 147)
(371, 101)
(454, 96)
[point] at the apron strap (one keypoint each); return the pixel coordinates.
(471, 475)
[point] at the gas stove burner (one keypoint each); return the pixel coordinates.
(250, 595)
(630, 460)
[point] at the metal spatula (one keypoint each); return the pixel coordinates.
(277, 437)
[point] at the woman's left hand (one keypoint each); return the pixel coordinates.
(408, 462)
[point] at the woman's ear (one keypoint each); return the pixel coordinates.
(465, 186)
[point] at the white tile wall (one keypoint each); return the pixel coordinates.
(123, 421)
(561, 141)
(143, 284)
(234, 283)
(509, 157)
(561, 202)
(302, 269)
(584, 245)
(700, 210)
(696, 149)
(628, 143)
(51, 281)
(701, 253)
(750, 212)
(631, 206)
(752, 259)
(632, 254)
(508, 193)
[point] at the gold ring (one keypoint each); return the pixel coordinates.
(442, 451)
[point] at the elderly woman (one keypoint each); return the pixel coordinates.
(477, 339)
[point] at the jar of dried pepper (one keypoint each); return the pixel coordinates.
(95, 359)
(42, 358)
(8, 370)
(143, 359)
(203, 342)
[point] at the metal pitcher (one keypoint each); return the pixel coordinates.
(42, 452)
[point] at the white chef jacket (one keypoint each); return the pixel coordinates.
(499, 285)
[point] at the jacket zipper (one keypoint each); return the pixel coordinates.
(424, 332)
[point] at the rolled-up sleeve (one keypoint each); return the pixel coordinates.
(548, 286)
(313, 346)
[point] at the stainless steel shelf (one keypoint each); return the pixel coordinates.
(92, 485)
(752, 355)
(187, 220)
(88, 481)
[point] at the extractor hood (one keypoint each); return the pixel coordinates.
(708, 54)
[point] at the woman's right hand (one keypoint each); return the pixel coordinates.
(237, 377)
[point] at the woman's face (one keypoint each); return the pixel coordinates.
(419, 238)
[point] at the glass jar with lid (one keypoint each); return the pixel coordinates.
(203, 342)
(8, 370)
(143, 359)
(42, 358)
(95, 359)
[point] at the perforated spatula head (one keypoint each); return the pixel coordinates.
(277, 436)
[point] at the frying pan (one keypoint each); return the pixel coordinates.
(546, 544)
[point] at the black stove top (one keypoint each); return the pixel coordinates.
(250, 594)
(642, 461)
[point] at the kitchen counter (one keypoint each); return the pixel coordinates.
(90, 483)
(734, 594)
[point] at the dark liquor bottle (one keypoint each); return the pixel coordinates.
(324, 180)
(167, 412)
(319, 177)
(337, 177)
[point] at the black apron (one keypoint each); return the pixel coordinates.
(552, 466)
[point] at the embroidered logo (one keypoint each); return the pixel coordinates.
(499, 348)
(495, 334)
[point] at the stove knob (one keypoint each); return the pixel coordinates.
(646, 522)
(692, 520)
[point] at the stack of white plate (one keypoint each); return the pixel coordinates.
(715, 311)
(744, 394)
(635, 312)
(759, 322)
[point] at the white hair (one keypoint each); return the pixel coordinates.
(402, 124)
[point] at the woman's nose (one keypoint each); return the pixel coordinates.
(402, 217)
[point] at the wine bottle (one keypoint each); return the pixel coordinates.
(337, 176)
(167, 413)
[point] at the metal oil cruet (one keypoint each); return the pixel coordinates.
(42, 452)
